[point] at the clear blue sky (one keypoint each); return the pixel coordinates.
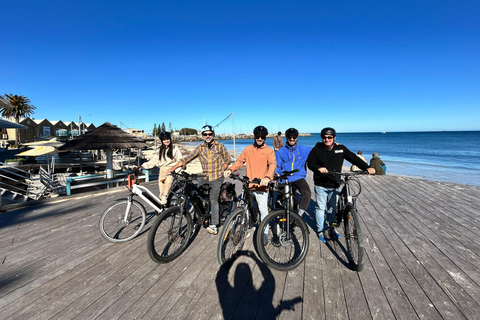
(355, 65)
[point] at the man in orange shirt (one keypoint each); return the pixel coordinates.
(261, 164)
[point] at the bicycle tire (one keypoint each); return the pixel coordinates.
(112, 225)
(281, 254)
(232, 236)
(163, 244)
(354, 240)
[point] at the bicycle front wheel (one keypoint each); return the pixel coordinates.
(169, 235)
(277, 248)
(122, 221)
(232, 236)
(354, 239)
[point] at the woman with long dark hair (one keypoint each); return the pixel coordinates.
(168, 155)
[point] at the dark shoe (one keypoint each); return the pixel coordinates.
(334, 235)
(321, 237)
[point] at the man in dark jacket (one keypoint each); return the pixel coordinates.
(377, 164)
(327, 156)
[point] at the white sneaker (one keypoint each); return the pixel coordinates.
(163, 200)
(212, 229)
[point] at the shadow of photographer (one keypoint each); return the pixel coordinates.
(245, 299)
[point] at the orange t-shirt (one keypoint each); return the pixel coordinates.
(261, 163)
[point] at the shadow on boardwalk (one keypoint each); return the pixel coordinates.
(241, 299)
(422, 241)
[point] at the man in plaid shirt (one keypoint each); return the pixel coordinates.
(214, 159)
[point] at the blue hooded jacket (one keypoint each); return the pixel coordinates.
(290, 158)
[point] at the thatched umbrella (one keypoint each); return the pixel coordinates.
(106, 137)
(5, 124)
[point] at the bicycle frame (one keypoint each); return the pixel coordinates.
(146, 195)
(248, 197)
(288, 193)
(188, 191)
(344, 198)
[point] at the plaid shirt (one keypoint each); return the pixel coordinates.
(213, 159)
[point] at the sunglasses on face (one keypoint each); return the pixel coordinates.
(207, 134)
(291, 138)
(260, 137)
(327, 137)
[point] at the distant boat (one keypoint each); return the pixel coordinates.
(383, 132)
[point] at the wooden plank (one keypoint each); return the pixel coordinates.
(407, 248)
(398, 301)
(61, 296)
(435, 237)
(313, 297)
(335, 304)
(422, 260)
(158, 288)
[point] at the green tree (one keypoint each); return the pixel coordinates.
(170, 128)
(19, 107)
(163, 127)
(188, 131)
(154, 132)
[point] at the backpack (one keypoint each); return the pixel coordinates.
(227, 192)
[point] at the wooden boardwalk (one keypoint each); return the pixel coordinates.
(422, 246)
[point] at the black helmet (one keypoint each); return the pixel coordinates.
(328, 130)
(207, 127)
(291, 132)
(165, 135)
(260, 131)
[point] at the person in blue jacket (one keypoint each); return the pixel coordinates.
(294, 156)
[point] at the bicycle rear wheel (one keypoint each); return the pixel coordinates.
(282, 252)
(232, 236)
(118, 225)
(168, 236)
(354, 239)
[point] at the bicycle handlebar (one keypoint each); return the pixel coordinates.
(186, 175)
(344, 174)
(244, 179)
(285, 174)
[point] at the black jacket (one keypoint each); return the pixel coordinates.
(332, 160)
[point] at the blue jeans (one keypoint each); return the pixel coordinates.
(326, 208)
(262, 201)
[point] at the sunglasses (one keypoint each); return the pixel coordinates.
(291, 138)
(260, 137)
(207, 134)
(327, 137)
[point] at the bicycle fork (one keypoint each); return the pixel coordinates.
(126, 217)
(181, 201)
(287, 212)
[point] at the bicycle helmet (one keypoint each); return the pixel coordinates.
(165, 135)
(329, 131)
(260, 131)
(291, 132)
(207, 127)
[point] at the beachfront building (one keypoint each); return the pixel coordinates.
(136, 132)
(43, 129)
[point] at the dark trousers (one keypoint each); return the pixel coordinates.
(215, 187)
(302, 186)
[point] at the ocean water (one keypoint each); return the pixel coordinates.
(451, 156)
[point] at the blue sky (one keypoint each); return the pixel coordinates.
(359, 66)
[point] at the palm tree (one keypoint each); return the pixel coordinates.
(19, 107)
